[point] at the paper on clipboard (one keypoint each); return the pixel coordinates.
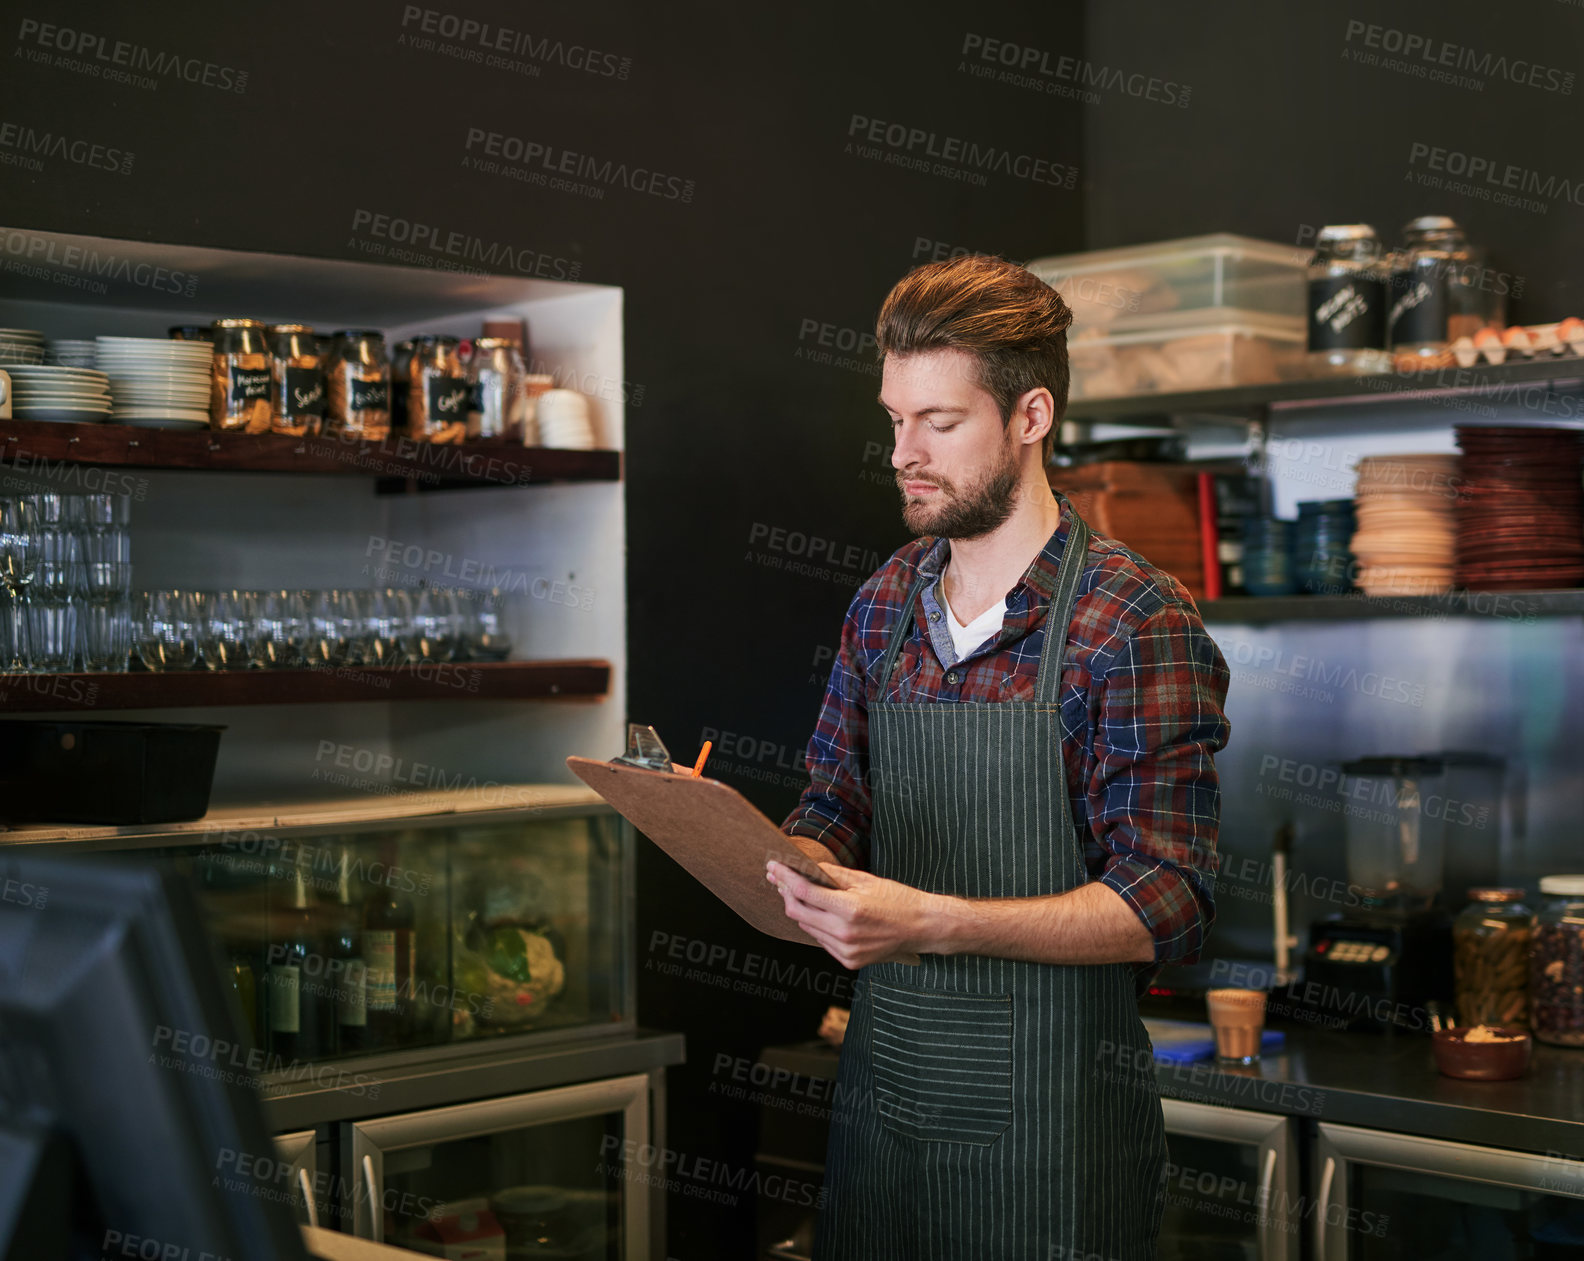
(713, 831)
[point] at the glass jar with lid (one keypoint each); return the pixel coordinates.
(437, 394)
(499, 402)
(297, 385)
(1434, 295)
(358, 382)
(1490, 958)
(239, 390)
(1347, 302)
(1556, 962)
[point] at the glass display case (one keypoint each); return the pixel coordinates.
(421, 933)
(1231, 1185)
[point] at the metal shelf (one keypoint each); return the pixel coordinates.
(1518, 606)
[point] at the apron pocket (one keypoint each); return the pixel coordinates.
(942, 1063)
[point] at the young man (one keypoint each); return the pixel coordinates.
(1012, 780)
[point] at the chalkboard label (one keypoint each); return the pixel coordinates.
(248, 384)
(1347, 313)
(367, 396)
(448, 400)
(303, 393)
(1418, 308)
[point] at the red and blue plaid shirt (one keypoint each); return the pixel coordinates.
(1142, 691)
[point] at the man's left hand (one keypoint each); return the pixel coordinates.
(865, 919)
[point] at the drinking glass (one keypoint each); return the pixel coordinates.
(19, 548)
(223, 632)
(355, 631)
(387, 618)
(484, 634)
(105, 624)
(104, 511)
(166, 630)
(328, 627)
(52, 609)
(432, 630)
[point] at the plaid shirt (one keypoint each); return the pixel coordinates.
(1142, 690)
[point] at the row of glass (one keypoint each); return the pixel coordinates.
(239, 630)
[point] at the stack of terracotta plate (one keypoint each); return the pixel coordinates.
(1520, 510)
(1406, 539)
(1153, 508)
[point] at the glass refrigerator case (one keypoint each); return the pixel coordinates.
(1384, 1197)
(1232, 1185)
(420, 934)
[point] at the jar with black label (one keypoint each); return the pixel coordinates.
(499, 400)
(239, 392)
(437, 394)
(401, 383)
(1431, 303)
(1556, 962)
(358, 380)
(1347, 302)
(297, 384)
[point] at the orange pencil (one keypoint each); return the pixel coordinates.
(698, 767)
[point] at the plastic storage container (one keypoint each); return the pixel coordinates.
(1184, 352)
(1490, 958)
(1220, 277)
(1556, 963)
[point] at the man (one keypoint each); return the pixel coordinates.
(1012, 788)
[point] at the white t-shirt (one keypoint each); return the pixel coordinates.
(969, 637)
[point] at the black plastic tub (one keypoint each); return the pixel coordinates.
(105, 772)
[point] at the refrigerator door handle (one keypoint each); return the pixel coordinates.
(306, 1187)
(1269, 1235)
(376, 1218)
(1327, 1179)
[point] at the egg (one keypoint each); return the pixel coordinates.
(1466, 351)
(1516, 340)
(1489, 343)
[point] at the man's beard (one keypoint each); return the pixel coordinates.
(965, 516)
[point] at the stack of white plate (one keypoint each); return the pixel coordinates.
(71, 353)
(157, 384)
(21, 345)
(563, 420)
(53, 393)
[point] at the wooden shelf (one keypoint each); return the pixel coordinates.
(1565, 374)
(447, 681)
(30, 442)
(1515, 606)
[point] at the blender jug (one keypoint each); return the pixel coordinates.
(1393, 842)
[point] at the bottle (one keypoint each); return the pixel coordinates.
(389, 948)
(294, 1003)
(351, 972)
(1427, 296)
(1347, 302)
(240, 973)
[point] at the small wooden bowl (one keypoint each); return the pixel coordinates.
(1455, 1056)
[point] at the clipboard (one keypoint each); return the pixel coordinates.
(720, 837)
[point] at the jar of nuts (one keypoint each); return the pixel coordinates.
(1490, 958)
(359, 381)
(437, 394)
(239, 390)
(297, 386)
(1556, 962)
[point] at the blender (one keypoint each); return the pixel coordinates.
(1377, 963)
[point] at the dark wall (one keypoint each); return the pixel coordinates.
(749, 279)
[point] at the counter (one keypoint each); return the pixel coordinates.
(1383, 1083)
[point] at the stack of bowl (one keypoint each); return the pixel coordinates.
(157, 384)
(1321, 560)
(1268, 556)
(41, 392)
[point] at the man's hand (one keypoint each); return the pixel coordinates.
(864, 920)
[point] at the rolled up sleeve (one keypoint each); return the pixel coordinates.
(1154, 798)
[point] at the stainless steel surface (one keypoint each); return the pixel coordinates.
(1327, 1185)
(371, 1139)
(299, 1148)
(1275, 1140)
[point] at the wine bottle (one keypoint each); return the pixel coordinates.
(351, 972)
(388, 948)
(294, 1001)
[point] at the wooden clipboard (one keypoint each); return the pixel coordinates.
(715, 832)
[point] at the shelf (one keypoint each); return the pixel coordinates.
(349, 812)
(1519, 606)
(446, 681)
(1563, 374)
(37, 442)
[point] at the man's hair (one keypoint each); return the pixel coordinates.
(1011, 322)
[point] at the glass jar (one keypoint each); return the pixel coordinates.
(1556, 963)
(1347, 302)
(437, 394)
(297, 385)
(401, 383)
(1432, 303)
(190, 333)
(358, 381)
(1490, 958)
(239, 393)
(499, 402)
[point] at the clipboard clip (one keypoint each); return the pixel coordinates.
(645, 748)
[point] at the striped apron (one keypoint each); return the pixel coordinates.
(988, 1108)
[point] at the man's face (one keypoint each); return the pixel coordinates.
(957, 465)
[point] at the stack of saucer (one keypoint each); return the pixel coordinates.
(1520, 509)
(71, 353)
(563, 420)
(157, 384)
(55, 393)
(1405, 544)
(21, 345)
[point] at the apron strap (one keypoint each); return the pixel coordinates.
(1058, 617)
(898, 634)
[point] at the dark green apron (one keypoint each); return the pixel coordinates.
(988, 1108)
